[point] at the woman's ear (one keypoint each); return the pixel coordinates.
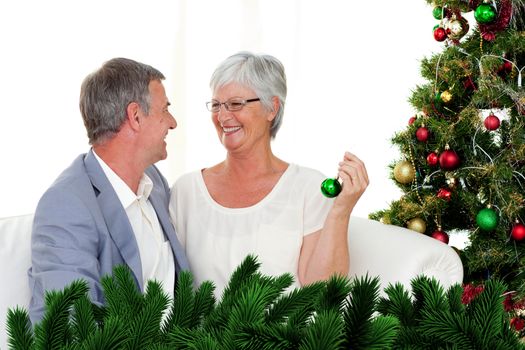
(276, 104)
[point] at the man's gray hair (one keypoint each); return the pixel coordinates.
(106, 93)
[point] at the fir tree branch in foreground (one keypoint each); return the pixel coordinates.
(259, 312)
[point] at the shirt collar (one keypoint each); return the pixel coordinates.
(124, 193)
(145, 187)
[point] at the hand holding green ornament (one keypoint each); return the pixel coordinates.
(331, 187)
(352, 174)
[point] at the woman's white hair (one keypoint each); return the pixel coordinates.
(264, 74)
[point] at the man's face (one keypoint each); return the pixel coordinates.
(156, 125)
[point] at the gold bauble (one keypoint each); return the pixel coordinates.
(446, 96)
(417, 224)
(404, 172)
(385, 220)
(457, 28)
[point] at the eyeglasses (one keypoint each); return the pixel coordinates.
(232, 105)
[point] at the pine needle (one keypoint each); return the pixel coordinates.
(112, 337)
(145, 329)
(267, 337)
(358, 312)
(326, 332)
(204, 303)
(384, 333)
(121, 293)
(19, 330)
(397, 304)
(54, 330)
(83, 322)
(486, 311)
(295, 301)
(241, 274)
(337, 290)
(181, 312)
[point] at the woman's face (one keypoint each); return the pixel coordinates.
(245, 128)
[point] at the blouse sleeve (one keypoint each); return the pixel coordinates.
(316, 206)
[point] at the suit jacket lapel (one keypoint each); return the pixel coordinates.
(115, 217)
(169, 231)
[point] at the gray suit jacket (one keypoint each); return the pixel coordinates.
(81, 230)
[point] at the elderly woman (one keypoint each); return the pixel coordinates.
(253, 202)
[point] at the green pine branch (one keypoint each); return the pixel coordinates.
(258, 312)
(19, 330)
(54, 331)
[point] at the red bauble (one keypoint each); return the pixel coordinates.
(470, 292)
(411, 120)
(422, 134)
(445, 194)
(492, 122)
(489, 36)
(517, 323)
(440, 236)
(440, 34)
(432, 159)
(505, 69)
(518, 232)
(449, 160)
(506, 66)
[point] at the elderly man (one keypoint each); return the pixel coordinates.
(110, 206)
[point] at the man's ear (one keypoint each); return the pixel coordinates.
(275, 107)
(133, 115)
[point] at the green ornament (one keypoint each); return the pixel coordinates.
(487, 219)
(485, 13)
(437, 12)
(331, 187)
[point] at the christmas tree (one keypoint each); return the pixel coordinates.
(462, 165)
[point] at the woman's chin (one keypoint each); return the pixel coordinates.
(231, 141)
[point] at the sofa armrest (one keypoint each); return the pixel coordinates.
(15, 260)
(396, 254)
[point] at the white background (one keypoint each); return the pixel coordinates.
(351, 67)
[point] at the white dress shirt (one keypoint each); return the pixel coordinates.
(155, 251)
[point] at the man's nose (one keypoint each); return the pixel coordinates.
(172, 122)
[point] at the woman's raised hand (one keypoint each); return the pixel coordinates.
(353, 175)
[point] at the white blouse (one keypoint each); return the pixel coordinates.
(217, 239)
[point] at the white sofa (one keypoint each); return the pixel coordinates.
(392, 253)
